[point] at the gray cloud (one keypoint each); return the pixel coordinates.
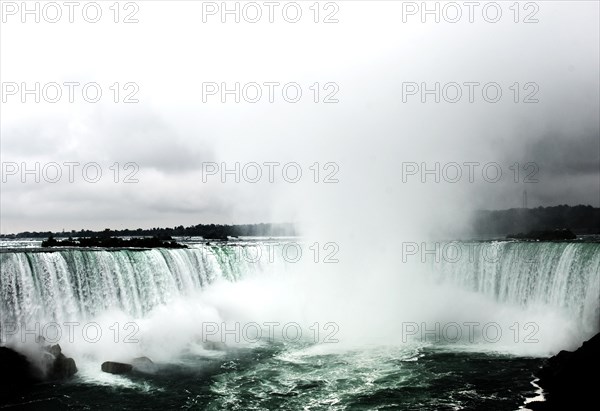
(368, 134)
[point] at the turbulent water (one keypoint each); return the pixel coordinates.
(558, 275)
(203, 315)
(79, 284)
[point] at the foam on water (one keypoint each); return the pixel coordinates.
(163, 297)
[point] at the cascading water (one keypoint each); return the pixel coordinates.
(564, 276)
(76, 284)
(68, 285)
(168, 294)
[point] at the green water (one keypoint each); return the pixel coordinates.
(552, 287)
(304, 378)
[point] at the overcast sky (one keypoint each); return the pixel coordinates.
(374, 140)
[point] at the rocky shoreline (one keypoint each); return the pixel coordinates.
(114, 242)
(544, 235)
(567, 379)
(18, 372)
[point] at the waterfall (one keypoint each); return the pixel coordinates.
(561, 275)
(76, 284)
(38, 286)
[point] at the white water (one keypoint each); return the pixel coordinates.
(161, 299)
(151, 302)
(563, 277)
(73, 285)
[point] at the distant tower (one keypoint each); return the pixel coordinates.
(524, 198)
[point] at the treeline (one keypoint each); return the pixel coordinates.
(209, 231)
(580, 219)
(113, 242)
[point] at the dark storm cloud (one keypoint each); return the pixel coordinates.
(568, 155)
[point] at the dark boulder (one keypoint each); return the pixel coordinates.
(568, 378)
(16, 372)
(116, 367)
(57, 365)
